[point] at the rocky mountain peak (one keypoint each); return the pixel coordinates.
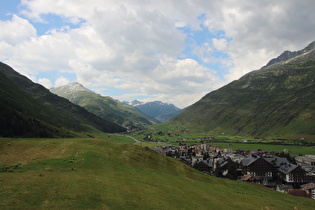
(69, 88)
(75, 87)
(135, 103)
(286, 55)
(309, 47)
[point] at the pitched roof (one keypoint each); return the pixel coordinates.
(277, 161)
(287, 168)
(249, 160)
(308, 186)
(248, 177)
(207, 162)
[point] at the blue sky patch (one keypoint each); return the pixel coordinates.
(199, 46)
(52, 21)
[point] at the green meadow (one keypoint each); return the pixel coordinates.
(103, 174)
(293, 149)
(226, 141)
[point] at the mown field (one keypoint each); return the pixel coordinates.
(293, 149)
(102, 174)
(227, 141)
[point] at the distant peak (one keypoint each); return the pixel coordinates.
(135, 103)
(75, 83)
(70, 88)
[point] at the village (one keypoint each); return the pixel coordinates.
(276, 170)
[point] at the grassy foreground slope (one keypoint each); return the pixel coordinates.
(99, 174)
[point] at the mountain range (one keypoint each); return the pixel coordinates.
(30, 110)
(157, 109)
(276, 101)
(104, 106)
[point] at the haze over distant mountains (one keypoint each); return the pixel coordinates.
(157, 109)
(104, 106)
(276, 101)
(133, 114)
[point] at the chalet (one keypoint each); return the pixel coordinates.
(309, 188)
(291, 173)
(204, 166)
(257, 166)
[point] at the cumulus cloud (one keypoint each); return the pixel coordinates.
(45, 82)
(60, 81)
(262, 30)
(136, 46)
(16, 31)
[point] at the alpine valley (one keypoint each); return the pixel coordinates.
(64, 152)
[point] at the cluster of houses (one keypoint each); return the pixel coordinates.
(261, 166)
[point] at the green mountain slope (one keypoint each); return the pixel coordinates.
(102, 106)
(100, 174)
(275, 101)
(30, 110)
(21, 115)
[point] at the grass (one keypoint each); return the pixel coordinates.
(268, 145)
(101, 174)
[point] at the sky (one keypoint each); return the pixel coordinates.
(175, 51)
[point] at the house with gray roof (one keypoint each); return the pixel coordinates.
(291, 173)
(257, 166)
(204, 166)
(277, 162)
